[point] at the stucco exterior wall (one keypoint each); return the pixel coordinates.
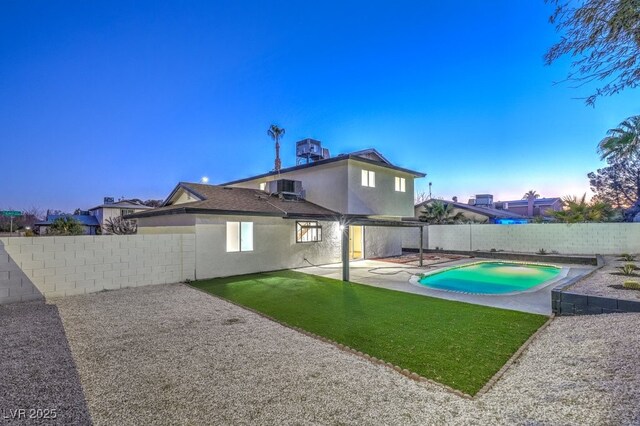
(338, 187)
(383, 199)
(274, 246)
(168, 224)
(382, 241)
(582, 238)
(35, 267)
(324, 185)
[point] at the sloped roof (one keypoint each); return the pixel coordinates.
(485, 211)
(371, 154)
(358, 156)
(124, 204)
(239, 201)
(82, 218)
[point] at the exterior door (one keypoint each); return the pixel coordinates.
(356, 242)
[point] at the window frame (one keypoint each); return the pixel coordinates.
(239, 242)
(300, 227)
(400, 184)
(368, 178)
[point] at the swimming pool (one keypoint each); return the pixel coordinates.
(491, 277)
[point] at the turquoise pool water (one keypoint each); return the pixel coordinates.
(491, 277)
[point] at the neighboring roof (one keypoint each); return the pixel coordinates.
(486, 211)
(124, 204)
(342, 157)
(239, 201)
(82, 218)
(536, 202)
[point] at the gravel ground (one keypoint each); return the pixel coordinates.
(37, 371)
(173, 355)
(598, 283)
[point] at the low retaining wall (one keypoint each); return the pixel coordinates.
(566, 303)
(33, 268)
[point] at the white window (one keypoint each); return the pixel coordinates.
(239, 236)
(308, 232)
(368, 178)
(263, 185)
(400, 184)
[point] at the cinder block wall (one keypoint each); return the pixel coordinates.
(36, 267)
(580, 238)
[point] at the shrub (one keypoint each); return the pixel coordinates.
(632, 285)
(493, 250)
(627, 257)
(542, 251)
(65, 225)
(628, 269)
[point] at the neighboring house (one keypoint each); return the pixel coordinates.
(479, 214)
(293, 218)
(89, 223)
(541, 206)
(111, 209)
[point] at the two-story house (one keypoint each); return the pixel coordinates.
(294, 217)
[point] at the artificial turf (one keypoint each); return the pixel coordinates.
(458, 344)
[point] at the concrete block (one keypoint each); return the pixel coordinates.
(602, 302)
(44, 255)
(76, 261)
(31, 297)
(44, 272)
(54, 263)
(103, 267)
(11, 299)
(73, 247)
(4, 292)
(31, 264)
(629, 306)
(78, 276)
(566, 308)
(24, 289)
(64, 254)
(31, 248)
(65, 270)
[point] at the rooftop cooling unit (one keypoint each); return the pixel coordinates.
(310, 150)
(286, 188)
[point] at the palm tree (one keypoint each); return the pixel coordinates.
(276, 133)
(577, 210)
(530, 196)
(623, 141)
(438, 212)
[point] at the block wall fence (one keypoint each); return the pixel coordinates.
(33, 268)
(580, 238)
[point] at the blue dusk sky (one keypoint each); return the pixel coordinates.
(110, 98)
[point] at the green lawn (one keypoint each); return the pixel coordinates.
(458, 344)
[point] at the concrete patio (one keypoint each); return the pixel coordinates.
(394, 276)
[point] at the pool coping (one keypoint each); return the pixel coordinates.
(564, 271)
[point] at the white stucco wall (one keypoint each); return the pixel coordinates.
(274, 246)
(383, 198)
(338, 187)
(36, 267)
(382, 241)
(582, 238)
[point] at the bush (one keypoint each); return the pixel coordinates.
(542, 251)
(632, 285)
(66, 226)
(627, 257)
